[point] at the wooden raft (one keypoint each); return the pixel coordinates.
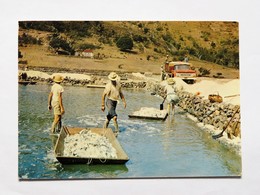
(108, 133)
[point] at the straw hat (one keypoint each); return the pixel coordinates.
(170, 81)
(57, 78)
(113, 76)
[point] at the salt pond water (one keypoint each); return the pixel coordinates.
(175, 147)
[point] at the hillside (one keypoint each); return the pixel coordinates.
(210, 45)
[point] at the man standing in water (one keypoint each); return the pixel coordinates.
(171, 98)
(113, 92)
(55, 102)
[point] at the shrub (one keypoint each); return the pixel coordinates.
(19, 54)
(213, 45)
(159, 28)
(125, 43)
(105, 40)
(43, 25)
(155, 41)
(205, 35)
(204, 71)
(191, 50)
(140, 25)
(180, 58)
(146, 30)
(167, 37)
(59, 43)
(28, 39)
(157, 50)
(139, 38)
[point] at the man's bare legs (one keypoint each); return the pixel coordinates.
(56, 123)
(106, 124)
(115, 125)
(170, 108)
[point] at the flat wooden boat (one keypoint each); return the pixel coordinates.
(149, 113)
(95, 86)
(148, 117)
(108, 133)
(27, 82)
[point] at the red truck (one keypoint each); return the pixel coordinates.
(182, 70)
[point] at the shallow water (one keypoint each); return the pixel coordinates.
(175, 147)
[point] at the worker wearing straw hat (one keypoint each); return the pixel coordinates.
(55, 103)
(171, 98)
(113, 92)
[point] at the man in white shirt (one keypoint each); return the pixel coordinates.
(171, 98)
(113, 92)
(55, 102)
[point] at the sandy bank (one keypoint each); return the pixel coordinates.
(228, 89)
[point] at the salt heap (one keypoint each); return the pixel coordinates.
(88, 144)
(74, 76)
(229, 89)
(32, 73)
(138, 75)
(150, 112)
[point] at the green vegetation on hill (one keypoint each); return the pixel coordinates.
(215, 42)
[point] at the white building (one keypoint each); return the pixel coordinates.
(88, 53)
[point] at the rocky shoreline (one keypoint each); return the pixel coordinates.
(211, 117)
(214, 117)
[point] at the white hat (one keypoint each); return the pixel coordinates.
(57, 78)
(113, 76)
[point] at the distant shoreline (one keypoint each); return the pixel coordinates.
(52, 70)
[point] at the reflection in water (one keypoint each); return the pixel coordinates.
(86, 171)
(167, 133)
(175, 147)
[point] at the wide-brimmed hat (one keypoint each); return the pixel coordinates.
(57, 78)
(170, 81)
(113, 76)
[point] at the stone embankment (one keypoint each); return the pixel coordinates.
(213, 117)
(219, 115)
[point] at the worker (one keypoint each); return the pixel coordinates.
(167, 59)
(55, 103)
(186, 59)
(172, 99)
(162, 73)
(113, 92)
